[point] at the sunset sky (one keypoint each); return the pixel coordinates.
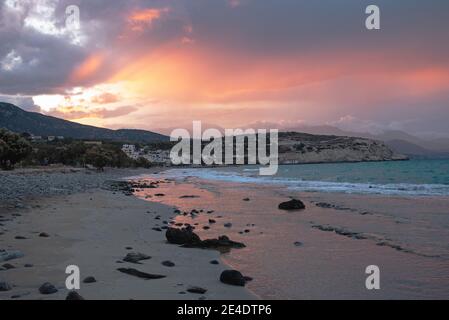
(161, 64)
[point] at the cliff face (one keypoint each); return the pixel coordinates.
(306, 148)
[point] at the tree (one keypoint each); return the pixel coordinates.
(142, 163)
(98, 157)
(13, 149)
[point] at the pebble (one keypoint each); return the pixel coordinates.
(47, 288)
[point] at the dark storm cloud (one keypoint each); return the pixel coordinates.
(24, 102)
(259, 28)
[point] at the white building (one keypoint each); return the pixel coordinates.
(131, 151)
(161, 157)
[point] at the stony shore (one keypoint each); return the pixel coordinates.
(19, 187)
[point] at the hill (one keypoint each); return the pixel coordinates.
(15, 119)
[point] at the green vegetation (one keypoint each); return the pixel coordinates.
(15, 149)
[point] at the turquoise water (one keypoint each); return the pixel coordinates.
(410, 172)
(408, 178)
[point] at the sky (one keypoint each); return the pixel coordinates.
(154, 64)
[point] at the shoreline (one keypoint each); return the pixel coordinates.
(95, 230)
(321, 252)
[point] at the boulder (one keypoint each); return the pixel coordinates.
(140, 274)
(293, 204)
(232, 277)
(135, 257)
(197, 290)
(90, 279)
(181, 236)
(222, 243)
(73, 295)
(168, 263)
(47, 288)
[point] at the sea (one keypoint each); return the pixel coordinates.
(392, 215)
(406, 178)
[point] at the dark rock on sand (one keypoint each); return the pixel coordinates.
(232, 277)
(44, 235)
(324, 205)
(20, 238)
(228, 225)
(47, 288)
(8, 266)
(136, 257)
(212, 221)
(188, 196)
(197, 290)
(4, 286)
(223, 244)
(214, 262)
(298, 244)
(73, 295)
(90, 279)
(189, 239)
(181, 236)
(157, 229)
(28, 265)
(293, 204)
(246, 199)
(168, 263)
(206, 227)
(140, 274)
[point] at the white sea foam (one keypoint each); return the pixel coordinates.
(246, 176)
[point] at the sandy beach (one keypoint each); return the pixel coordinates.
(320, 252)
(95, 230)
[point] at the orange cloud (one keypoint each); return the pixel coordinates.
(141, 18)
(105, 98)
(79, 112)
(87, 68)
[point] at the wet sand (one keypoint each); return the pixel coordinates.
(322, 252)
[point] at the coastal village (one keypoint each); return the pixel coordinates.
(160, 157)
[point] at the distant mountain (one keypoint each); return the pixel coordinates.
(15, 119)
(408, 148)
(414, 150)
(430, 147)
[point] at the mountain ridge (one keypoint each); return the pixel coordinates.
(18, 120)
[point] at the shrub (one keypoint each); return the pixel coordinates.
(13, 149)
